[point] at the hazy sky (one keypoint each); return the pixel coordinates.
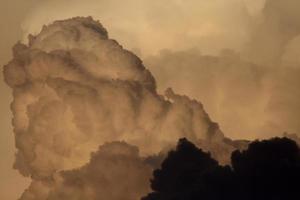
(176, 24)
(12, 15)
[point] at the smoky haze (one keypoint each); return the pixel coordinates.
(252, 91)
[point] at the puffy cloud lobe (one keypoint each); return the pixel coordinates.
(75, 89)
(115, 171)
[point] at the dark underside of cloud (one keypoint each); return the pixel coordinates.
(268, 169)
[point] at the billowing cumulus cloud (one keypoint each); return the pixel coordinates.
(75, 89)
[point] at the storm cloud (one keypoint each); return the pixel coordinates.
(75, 89)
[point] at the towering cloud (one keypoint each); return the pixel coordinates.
(75, 89)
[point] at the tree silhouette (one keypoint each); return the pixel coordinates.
(187, 173)
(267, 170)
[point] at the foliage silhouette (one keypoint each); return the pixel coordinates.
(267, 170)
